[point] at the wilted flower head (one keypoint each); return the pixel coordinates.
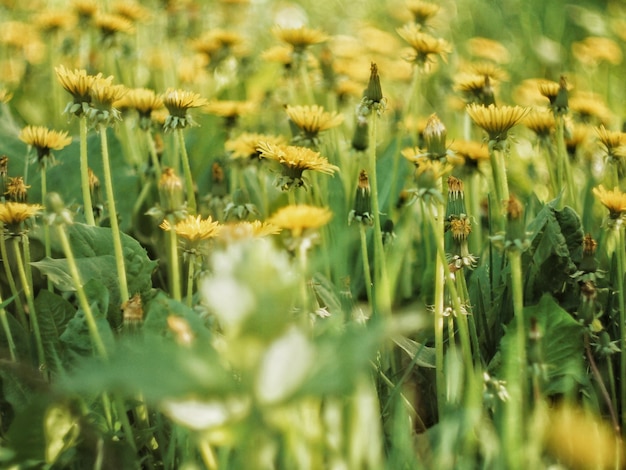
(425, 47)
(300, 218)
(44, 141)
(16, 189)
(496, 120)
(178, 103)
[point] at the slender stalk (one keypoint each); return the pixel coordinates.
(46, 228)
(30, 299)
(189, 187)
(80, 293)
(207, 454)
(84, 173)
(175, 288)
(622, 318)
(498, 168)
(366, 265)
(115, 229)
(516, 369)
(438, 231)
(7, 332)
(381, 281)
(154, 158)
(190, 277)
(12, 285)
(564, 163)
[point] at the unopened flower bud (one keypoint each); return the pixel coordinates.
(435, 138)
(360, 139)
(170, 190)
(373, 92)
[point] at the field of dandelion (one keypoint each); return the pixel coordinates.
(267, 234)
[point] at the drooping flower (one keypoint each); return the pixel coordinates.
(44, 140)
(496, 120)
(294, 161)
(300, 218)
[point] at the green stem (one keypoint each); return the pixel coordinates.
(84, 173)
(381, 282)
(498, 168)
(564, 163)
(366, 265)
(516, 368)
(46, 228)
(175, 288)
(191, 196)
(115, 229)
(7, 332)
(28, 293)
(438, 230)
(622, 319)
(153, 154)
(80, 293)
(123, 417)
(307, 92)
(11, 279)
(190, 276)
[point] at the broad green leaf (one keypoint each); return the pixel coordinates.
(157, 368)
(561, 345)
(161, 306)
(93, 250)
(556, 243)
(76, 337)
(54, 313)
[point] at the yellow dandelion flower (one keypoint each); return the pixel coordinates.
(15, 213)
(422, 11)
(311, 120)
(44, 140)
(110, 24)
(613, 143)
(230, 110)
(590, 108)
(193, 228)
(300, 218)
(614, 200)
(217, 44)
(460, 228)
(475, 88)
(576, 138)
(85, 9)
(487, 69)
(592, 51)
(541, 123)
(78, 84)
(294, 161)
(130, 10)
(245, 230)
(347, 88)
(299, 38)
(282, 54)
(143, 100)
(489, 49)
(425, 47)
(178, 103)
(246, 145)
(496, 120)
(472, 152)
(52, 21)
(103, 95)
